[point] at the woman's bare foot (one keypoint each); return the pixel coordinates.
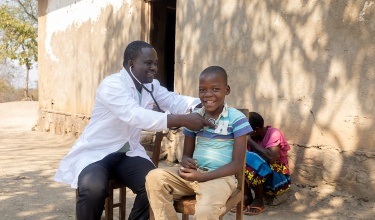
(256, 207)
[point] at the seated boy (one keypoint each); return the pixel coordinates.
(210, 158)
(267, 167)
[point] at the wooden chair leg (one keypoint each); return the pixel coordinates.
(77, 192)
(109, 206)
(122, 207)
(239, 213)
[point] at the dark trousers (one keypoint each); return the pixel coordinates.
(93, 185)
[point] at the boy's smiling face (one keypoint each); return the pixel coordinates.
(212, 91)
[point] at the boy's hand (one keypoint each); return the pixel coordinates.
(189, 163)
(190, 174)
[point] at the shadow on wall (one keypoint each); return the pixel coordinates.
(318, 58)
(98, 52)
(110, 61)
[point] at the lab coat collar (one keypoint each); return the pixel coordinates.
(130, 81)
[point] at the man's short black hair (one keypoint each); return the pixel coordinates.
(133, 50)
(256, 120)
(217, 70)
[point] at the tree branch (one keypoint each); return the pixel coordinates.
(25, 9)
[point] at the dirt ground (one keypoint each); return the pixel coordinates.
(29, 159)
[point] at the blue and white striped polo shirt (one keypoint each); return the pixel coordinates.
(214, 147)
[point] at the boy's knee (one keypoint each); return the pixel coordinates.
(154, 178)
(154, 174)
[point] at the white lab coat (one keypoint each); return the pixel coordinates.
(117, 118)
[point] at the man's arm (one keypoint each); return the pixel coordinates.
(192, 121)
(173, 102)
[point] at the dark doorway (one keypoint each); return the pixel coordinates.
(162, 37)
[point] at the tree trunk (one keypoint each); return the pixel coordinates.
(26, 92)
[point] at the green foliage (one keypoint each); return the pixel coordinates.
(18, 38)
(19, 33)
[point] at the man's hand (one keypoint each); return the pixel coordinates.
(192, 121)
(195, 122)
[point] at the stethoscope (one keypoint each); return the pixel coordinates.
(147, 90)
(152, 96)
(212, 120)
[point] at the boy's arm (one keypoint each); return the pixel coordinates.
(270, 154)
(238, 156)
(187, 156)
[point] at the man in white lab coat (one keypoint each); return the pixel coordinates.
(109, 146)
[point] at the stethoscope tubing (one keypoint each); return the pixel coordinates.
(147, 90)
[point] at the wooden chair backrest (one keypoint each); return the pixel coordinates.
(241, 173)
(156, 148)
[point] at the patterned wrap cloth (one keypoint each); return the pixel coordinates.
(276, 176)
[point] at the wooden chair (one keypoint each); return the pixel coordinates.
(113, 184)
(186, 205)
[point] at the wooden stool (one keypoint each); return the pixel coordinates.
(109, 204)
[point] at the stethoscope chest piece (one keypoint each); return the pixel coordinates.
(212, 120)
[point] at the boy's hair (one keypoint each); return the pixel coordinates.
(133, 50)
(216, 70)
(256, 120)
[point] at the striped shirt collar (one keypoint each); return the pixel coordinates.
(224, 113)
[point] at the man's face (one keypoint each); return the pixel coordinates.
(145, 66)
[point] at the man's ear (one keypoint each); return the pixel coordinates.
(228, 90)
(130, 63)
